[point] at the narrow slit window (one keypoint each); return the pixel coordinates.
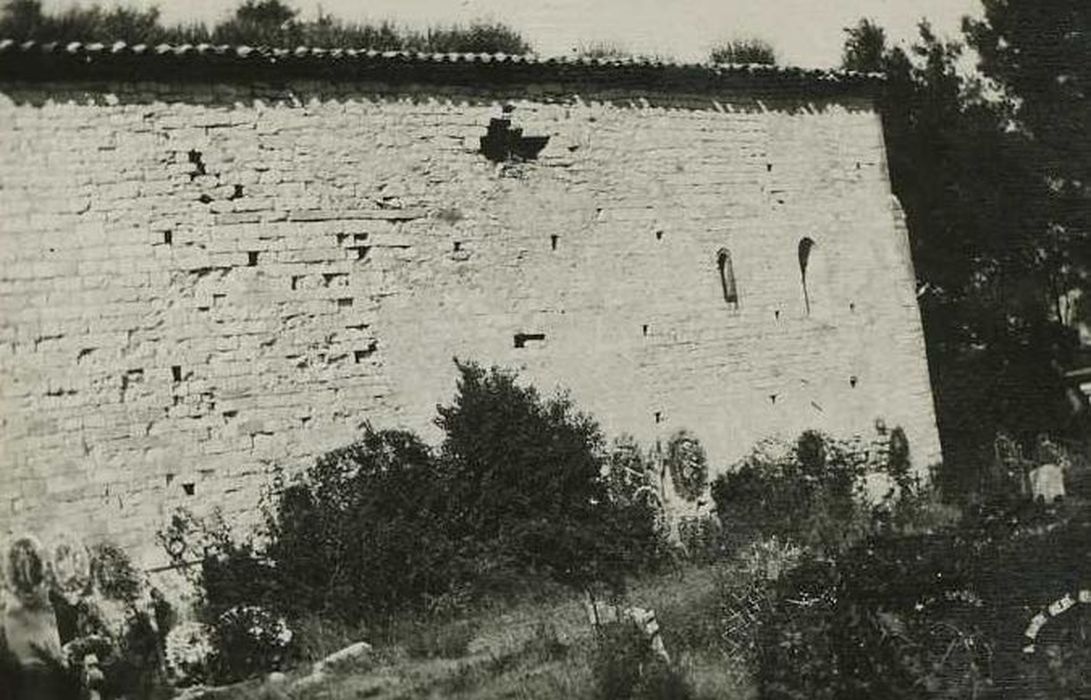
(727, 277)
(806, 247)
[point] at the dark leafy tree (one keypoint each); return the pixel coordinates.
(528, 474)
(865, 48)
(358, 534)
(260, 22)
(1039, 53)
(977, 208)
(744, 51)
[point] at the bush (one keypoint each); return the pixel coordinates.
(633, 487)
(806, 493)
(249, 640)
(822, 493)
(359, 535)
(744, 51)
(932, 615)
(526, 476)
(624, 666)
(519, 490)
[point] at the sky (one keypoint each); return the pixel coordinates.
(804, 32)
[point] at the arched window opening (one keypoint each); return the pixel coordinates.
(727, 277)
(806, 246)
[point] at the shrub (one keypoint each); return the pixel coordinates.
(805, 493)
(820, 492)
(249, 640)
(931, 615)
(525, 475)
(359, 534)
(744, 51)
(624, 666)
(636, 497)
(519, 490)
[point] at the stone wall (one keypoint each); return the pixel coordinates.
(200, 284)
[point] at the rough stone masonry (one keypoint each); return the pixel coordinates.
(220, 263)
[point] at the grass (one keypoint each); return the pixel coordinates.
(538, 647)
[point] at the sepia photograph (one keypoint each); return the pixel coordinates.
(534, 349)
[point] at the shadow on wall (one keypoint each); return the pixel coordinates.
(232, 97)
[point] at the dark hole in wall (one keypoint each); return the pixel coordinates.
(169, 478)
(804, 250)
(644, 329)
(199, 166)
(344, 302)
(503, 142)
(295, 281)
(252, 258)
(189, 487)
(521, 339)
(205, 198)
(176, 372)
(853, 380)
(768, 167)
(362, 252)
(659, 235)
(237, 194)
(776, 315)
(361, 355)
(458, 246)
(852, 307)
(168, 237)
(553, 241)
(727, 278)
(658, 417)
(773, 399)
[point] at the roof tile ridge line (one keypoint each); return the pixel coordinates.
(278, 52)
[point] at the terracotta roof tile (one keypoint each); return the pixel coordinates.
(33, 60)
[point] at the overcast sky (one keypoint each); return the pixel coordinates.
(804, 32)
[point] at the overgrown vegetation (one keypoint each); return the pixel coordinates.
(518, 490)
(254, 23)
(994, 187)
(932, 615)
(743, 51)
(624, 665)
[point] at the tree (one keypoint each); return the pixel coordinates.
(260, 23)
(525, 478)
(744, 51)
(982, 247)
(865, 48)
(1039, 53)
